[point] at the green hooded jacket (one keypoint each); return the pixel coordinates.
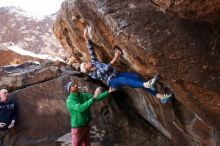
(79, 105)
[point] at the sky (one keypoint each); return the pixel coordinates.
(35, 7)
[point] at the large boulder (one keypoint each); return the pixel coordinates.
(28, 73)
(185, 54)
(43, 117)
(42, 114)
(205, 10)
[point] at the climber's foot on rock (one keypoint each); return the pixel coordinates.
(166, 98)
(153, 81)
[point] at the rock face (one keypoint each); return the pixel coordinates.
(29, 33)
(205, 10)
(20, 76)
(14, 55)
(11, 57)
(43, 117)
(186, 55)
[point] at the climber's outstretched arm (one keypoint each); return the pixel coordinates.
(90, 46)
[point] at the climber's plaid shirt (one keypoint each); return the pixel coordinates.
(104, 72)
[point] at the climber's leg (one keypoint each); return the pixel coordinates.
(149, 84)
(129, 75)
(122, 81)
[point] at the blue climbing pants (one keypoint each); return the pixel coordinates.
(129, 79)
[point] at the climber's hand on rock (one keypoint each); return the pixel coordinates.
(12, 124)
(116, 57)
(117, 54)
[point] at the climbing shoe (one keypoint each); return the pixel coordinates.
(152, 82)
(166, 98)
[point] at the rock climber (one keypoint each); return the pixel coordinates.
(115, 79)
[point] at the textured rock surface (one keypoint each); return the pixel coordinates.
(186, 55)
(11, 57)
(204, 10)
(14, 77)
(43, 116)
(29, 33)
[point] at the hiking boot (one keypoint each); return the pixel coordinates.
(152, 82)
(166, 98)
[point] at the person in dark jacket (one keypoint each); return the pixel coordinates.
(109, 74)
(79, 105)
(8, 113)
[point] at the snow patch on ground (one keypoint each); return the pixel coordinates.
(25, 31)
(30, 39)
(21, 51)
(23, 27)
(3, 30)
(36, 32)
(50, 30)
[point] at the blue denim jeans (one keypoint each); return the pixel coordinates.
(129, 79)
